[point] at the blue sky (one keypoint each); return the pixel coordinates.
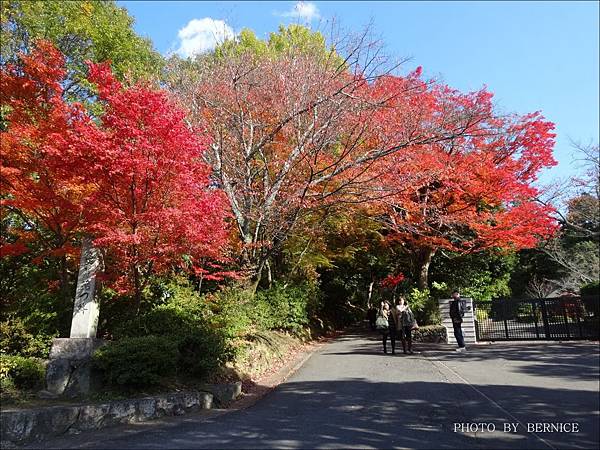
(531, 55)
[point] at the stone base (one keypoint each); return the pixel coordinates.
(69, 372)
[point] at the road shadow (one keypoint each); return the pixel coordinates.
(357, 413)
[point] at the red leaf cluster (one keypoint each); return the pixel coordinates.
(472, 190)
(132, 177)
(392, 280)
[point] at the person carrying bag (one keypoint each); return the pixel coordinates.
(386, 324)
(406, 324)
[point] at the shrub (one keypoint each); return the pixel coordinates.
(285, 307)
(231, 311)
(202, 352)
(236, 312)
(138, 361)
(177, 310)
(430, 333)
(424, 306)
(163, 320)
(15, 339)
(481, 315)
(202, 328)
(25, 373)
(7, 388)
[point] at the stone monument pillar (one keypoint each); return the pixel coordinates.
(69, 371)
(468, 324)
(85, 312)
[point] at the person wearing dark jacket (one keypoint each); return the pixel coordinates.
(457, 311)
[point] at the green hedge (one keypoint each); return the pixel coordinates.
(201, 352)
(285, 308)
(185, 333)
(185, 319)
(23, 372)
(288, 308)
(16, 339)
(138, 361)
(147, 360)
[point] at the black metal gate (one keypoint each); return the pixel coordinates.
(547, 318)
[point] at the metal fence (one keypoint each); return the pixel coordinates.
(546, 318)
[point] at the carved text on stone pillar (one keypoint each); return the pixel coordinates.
(85, 311)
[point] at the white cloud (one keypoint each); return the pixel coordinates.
(202, 35)
(303, 10)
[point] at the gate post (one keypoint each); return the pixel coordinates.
(545, 318)
(475, 321)
(468, 324)
(578, 310)
(563, 304)
(504, 314)
(534, 310)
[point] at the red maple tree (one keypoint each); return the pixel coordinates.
(132, 177)
(152, 202)
(38, 183)
(471, 192)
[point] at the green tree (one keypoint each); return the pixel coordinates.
(293, 38)
(83, 30)
(482, 276)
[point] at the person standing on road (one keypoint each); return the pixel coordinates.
(406, 323)
(457, 311)
(390, 331)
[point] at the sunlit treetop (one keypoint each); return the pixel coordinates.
(82, 30)
(293, 39)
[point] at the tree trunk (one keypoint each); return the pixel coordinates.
(257, 277)
(200, 282)
(424, 257)
(138, 290)
(269, 274)
(64, 279)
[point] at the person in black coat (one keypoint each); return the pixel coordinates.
(457, 311)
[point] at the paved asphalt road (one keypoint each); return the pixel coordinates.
(350, 395)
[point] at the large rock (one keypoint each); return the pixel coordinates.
(224, 394)
(146, 407)
(93, 417)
